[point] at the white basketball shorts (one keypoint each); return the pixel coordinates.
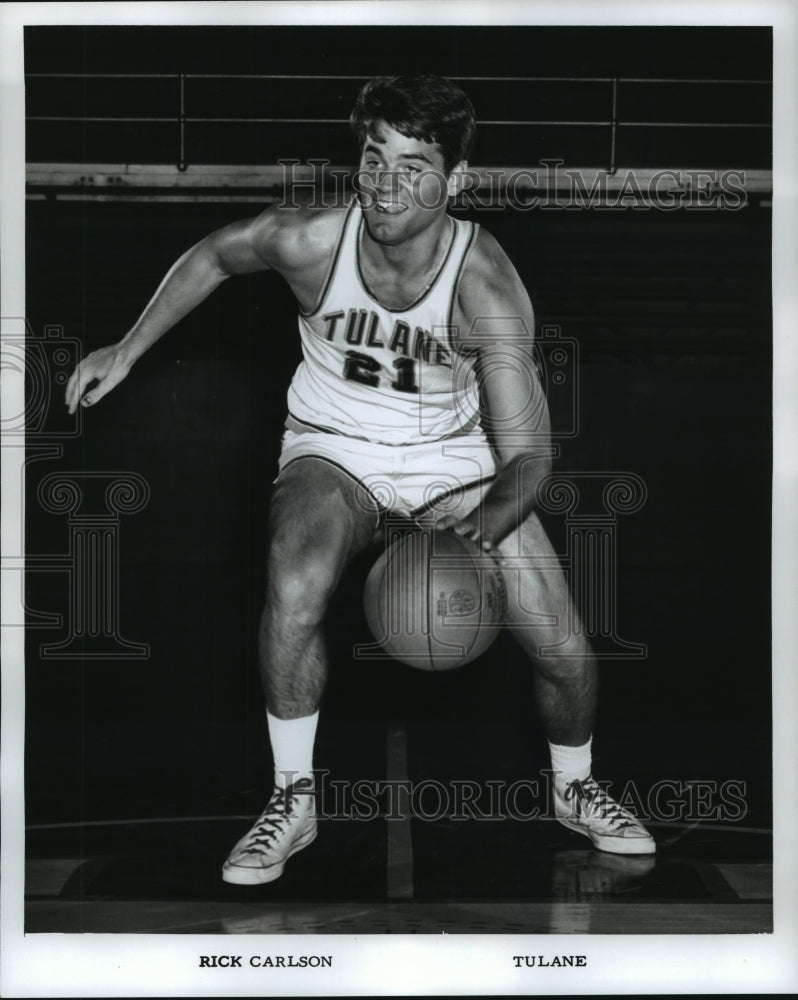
(406, 479)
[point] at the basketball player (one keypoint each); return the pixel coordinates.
(417, 394)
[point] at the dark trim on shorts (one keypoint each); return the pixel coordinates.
(431, 503)
(311, 427)
(305, 424)
(328, 461)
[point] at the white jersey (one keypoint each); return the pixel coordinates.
(385, 375)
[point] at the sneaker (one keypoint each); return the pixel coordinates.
(287, 824)
(583, 806)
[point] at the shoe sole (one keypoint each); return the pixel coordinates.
(613, 845)
(239, 875)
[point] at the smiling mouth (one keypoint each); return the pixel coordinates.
(390, 207)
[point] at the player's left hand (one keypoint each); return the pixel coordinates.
(467, 528)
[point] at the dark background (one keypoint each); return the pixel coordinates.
(586, 57)
(672, 314)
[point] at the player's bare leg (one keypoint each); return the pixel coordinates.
(541, 614)
(546, 624)
(544, 621)
(318, 521)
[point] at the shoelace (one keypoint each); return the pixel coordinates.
(271, 822)
(590, 794)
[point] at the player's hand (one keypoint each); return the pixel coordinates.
(105, 368)
(467, 528)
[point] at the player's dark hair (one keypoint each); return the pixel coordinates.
(424, 107)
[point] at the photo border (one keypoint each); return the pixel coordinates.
(143, 965)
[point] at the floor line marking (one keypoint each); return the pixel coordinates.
(726, 827)
(399, 839)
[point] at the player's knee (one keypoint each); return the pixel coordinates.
(566, 660)
(300, 587)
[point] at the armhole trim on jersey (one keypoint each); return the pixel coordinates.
(456, 283)
(333, 266)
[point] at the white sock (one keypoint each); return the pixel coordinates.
(570, 763)
(292, 746)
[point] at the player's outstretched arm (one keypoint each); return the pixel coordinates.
(237, 249)
(497, 324)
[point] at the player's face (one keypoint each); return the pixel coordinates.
(402, 184)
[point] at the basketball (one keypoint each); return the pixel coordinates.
(434, 600)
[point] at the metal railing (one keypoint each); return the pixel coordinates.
(182, 120)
